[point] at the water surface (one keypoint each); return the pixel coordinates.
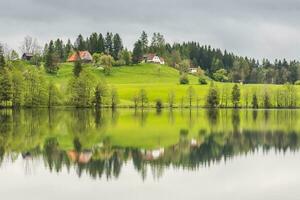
(127, 154)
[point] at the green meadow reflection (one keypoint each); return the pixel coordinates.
(101, 143)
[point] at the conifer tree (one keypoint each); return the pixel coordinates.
(137, 55)
(254, 101)
(67, 49)
(80, 44)
(77, 68)
(109, 43)
(51, 60)
(144, 40)
(100, 45)
(117, 46)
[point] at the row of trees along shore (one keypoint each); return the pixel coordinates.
(29, 88)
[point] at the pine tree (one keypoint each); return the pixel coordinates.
(51, 61)
(67, 49)
(117, 46)
(144, 40)
(59, 49)
(93, 43)
(80, 44)
(267, 100)
(77, 68)
(108, 43)
(100, 45)
(254, 101)
(137, 55)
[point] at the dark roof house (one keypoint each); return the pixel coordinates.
(27, 56)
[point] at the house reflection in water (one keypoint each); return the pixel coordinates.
(153, 154)
(80, 157)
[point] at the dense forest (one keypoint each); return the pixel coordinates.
(220, 65)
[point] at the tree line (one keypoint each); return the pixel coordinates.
(220, 65)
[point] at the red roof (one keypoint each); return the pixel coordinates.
(81, 55)
(150, 56)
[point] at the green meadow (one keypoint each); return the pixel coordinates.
(159, 81)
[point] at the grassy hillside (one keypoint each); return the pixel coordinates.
(157, 80)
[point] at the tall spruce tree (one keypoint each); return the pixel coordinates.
(68, 49)
(77, 68)
(109, 43)
(137, 54)
(117, 46)
(93, 43)
(80, 43)
(51, 59)
(59, 49)
(144, 40)
(101, 44)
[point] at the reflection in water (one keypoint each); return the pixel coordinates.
(100, 142)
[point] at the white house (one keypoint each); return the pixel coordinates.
(153, 58)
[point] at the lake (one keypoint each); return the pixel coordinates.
(127, 154)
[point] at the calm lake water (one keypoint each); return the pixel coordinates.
(83, 154)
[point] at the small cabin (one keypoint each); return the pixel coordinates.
(27, 56)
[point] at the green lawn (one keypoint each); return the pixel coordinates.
(157, 80)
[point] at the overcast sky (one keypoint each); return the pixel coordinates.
(255, 28)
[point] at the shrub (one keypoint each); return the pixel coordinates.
(236, 95)
(202, 81)
(159, 104)
(212, 100)
(254, 101)
(184, 79)
(119, 63)
(297, 82)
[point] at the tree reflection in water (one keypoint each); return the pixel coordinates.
(89, 140)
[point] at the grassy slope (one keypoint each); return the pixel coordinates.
(128, 80)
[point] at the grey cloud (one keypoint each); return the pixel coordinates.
(255, 28)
